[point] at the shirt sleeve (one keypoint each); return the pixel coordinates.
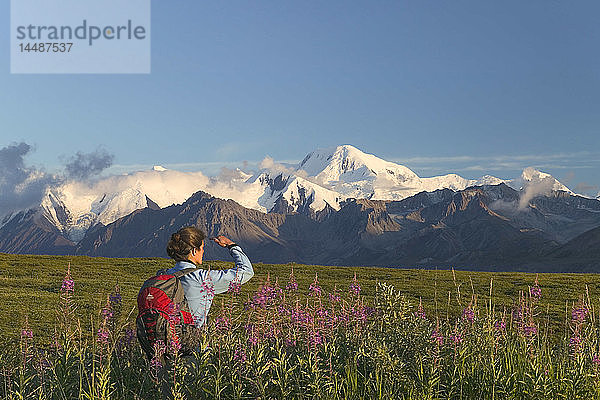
(241, 273)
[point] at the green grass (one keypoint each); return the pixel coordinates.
(293, 345)
(30, 286)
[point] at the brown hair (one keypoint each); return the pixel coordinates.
(183, 241)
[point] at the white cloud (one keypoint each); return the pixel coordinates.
(538, 185)
(21, 186)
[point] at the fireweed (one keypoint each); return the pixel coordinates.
(420, 313)
(354, 287)
(292, 283)
(291, 343)
(314, 289)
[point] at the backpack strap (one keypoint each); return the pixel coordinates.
(177, 274)
(185, 310)
(180, 273)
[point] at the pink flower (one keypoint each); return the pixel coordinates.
(159, 350)
(68, 285)
(208, 286)
(234, 287)
(107, 313)
(174, 314)
(222, 323)
(535, 292)
(292, 284)
(102, 336)
(420, 313)
(575, 343)
(579, 313)
(27, 334)
(335, 296)
(437, 337)
(239, 355)
(266, 296)
(361, 313)
(314, 288)
(500, 326)
(354, 287)
(529, 330)
(468, 314)
(300, 316)
(315, 339)
(252, 333)
(456, 338)
(175, 345)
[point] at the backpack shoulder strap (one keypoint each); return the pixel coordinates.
(183, 272)
(177, 274)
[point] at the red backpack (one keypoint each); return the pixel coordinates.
(163, 312)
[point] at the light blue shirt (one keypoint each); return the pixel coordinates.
(200, 286)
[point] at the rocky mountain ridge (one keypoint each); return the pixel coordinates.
(321, 181)
(479, 227)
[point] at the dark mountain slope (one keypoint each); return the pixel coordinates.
(29, 232)
(481, 227)
(146, 232)
(584, 247)
(464, 230)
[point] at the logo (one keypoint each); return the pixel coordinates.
(89, 33)
(80, 36)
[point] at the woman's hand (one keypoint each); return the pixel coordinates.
(222, 241)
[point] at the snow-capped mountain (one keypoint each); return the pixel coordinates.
(457, 182)
(475, 227)
(291, 193)
(541, 180)
(329, 176)
(74, 207)
(322, 180)
(350, 167)
(352, 173)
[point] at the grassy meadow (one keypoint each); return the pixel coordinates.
(355, 333)
(30, 286)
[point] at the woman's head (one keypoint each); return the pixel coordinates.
(186, 242)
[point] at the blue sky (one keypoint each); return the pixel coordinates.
(470, 87)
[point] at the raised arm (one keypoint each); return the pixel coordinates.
(241, 273)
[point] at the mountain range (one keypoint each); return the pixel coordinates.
(337, 206)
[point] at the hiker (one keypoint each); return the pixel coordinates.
(186, 247)
(171, 315)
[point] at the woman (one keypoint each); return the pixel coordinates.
(200, 286)
(186, 247)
